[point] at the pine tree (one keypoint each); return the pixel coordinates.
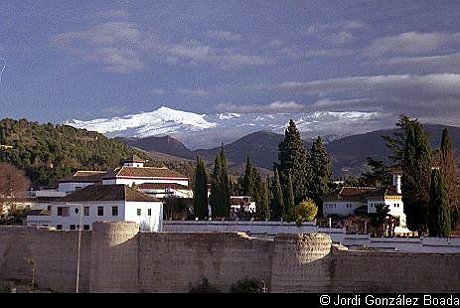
(263, 201)
(225, 186)
(200, 193)
(321, 179)
(290, 202)
(250, 180)
(449, 173)
(377, 175)
(278, 199)
(220, 189)
(439, 214)
(294, 161)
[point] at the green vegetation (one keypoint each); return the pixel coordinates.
(203, 287)
(220, 188)
(247, 285)
(439, 211)
(278, 199)
(200, 192)
(305, 211)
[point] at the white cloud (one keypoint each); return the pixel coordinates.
(157, 91)
(113, 45)
(192, 92)
(111, 14)
(331, 52)
(335, 33)
(275, 107)
(449, 63)
(412, 43)
(114, 110)
(224, 35)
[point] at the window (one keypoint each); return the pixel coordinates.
(149, 212)
(114, 210)
(59, 227)
(72, 227)
(77, 188)
(86, 210)
(49, 208)
(76, 211)
(62, 211)
(100, 211)
(85, 227)
(138, 212)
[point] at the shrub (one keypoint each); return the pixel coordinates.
(305, 211)
(247, 285)
(203, 287)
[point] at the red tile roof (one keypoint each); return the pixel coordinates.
(107, 193)
(146, 186)
(85, 176)
(145, 172)
(348, 194)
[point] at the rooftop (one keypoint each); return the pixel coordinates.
(84, 176)
(145, 172)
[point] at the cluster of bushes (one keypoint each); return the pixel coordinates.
(244, 285)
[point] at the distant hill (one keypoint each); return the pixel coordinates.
(348, 154)
(48, 152)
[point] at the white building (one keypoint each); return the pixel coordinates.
(106, 203)
(163, 190)
(80, 179)
(238, 203)
(353, 200)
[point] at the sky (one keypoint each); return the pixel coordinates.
(95, 59)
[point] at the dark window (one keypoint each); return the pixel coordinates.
(114, 210)
(100, 211)
(76, 211)
(59, 211)
(149, 212)
(49, 208)
(138, 212)
(59, 227)
(86, 210)
(85, 227)
(77, 188)
(72, 227)
(63, 211)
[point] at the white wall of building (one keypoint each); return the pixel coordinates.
(152, 222)
(139, 181)
(340, 208)
(73, 186)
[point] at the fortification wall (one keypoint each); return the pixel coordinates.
(115, 257)
(169, 262)
(54, 254)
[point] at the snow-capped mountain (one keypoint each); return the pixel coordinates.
(208, 130)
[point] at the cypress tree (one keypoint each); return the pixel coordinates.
(321, 179)
(249, 180)
(263, 201)
(278, 199)
(225, 187)
(439, 214)
(200, 193)
(449, 173)
(293, 160)
(290, 202)
(216, 193)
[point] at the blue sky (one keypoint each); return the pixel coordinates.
(93, 59)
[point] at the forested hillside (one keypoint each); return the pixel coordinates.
(48, 152)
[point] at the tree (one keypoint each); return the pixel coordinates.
(377, 175)
(321, 177)
(278, 199)
(220, 190)
(200, 192)
(305, 211)
(449, 174)
(439, 211)
(263, 201)
(411, 149)
(251, 178)
(13, 183)
(379, 219)
(294, 161)
(290, 203)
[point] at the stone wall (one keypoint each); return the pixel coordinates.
(115, 257)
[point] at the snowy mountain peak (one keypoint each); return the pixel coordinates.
(208, 130)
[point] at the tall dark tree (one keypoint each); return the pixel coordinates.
(321, 174)
(251, 179)
(293, 160)
(377, 174)
(263, 202)
(289, 214)
(278, 198)
(439, 212)
(411, 149)
(449, 173)
(220, 190)
(200, 193)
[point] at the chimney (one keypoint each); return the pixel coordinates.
(398, 183)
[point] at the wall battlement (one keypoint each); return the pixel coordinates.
(116, 257)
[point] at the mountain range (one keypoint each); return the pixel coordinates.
(348, 154)
(204, 131)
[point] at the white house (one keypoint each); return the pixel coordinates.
(351, 200)
(134, 172)
(163, 190)
(80, 179)
(238, 203)
(106, 203)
